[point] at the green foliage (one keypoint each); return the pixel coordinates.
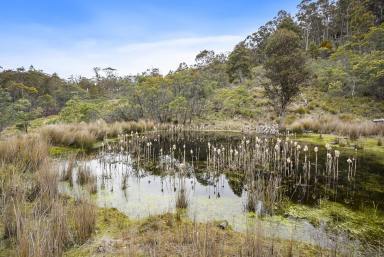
(179, 108)
(24, 114)
(314, 50)
(234, 102)
(347, 35)
(239, 63)
(326, 44)
(285, 68)
(76, 110)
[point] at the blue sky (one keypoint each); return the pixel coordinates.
(72, 36)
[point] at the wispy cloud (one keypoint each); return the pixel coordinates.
(82, 56)
(71, 37)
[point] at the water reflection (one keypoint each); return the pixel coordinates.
(224, 176)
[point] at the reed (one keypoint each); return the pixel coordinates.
(87, 179)
(27, 152)
(332, 124)
(84, 219)
(84, 135)
(182, 198)
(67, 173)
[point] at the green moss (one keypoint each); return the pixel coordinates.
(367, 145)
(111, 221)
(373, 183)
(367, 224)
(59, 151)
(317, 139)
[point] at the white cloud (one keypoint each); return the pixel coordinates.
(82, 56)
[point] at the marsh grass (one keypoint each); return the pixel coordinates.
(67, 173)
(87, 179)
(84, 175)
(167, 234)
(250, 204)
(84, 219)
(332, 124)
(44, 235)
(182, 198)
(28, 152)
(84, 135)
(35, 217)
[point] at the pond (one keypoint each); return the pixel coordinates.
(239, 178)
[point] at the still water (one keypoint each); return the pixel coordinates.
(142, 175)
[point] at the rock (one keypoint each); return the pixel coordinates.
(223, 225)
(100, 249)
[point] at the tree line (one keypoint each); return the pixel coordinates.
(335, 46)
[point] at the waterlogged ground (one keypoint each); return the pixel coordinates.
(142, 176)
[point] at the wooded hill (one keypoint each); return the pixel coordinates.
(336, 56)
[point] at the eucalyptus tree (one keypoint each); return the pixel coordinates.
(285, 67)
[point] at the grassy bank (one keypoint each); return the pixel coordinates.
(176, 235)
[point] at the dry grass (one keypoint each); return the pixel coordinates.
(66, 174)
(28, 152)
(69, 135)
(44, 235)
(35, 218)
(182, 199)
(85, 177)
(84, 220)
(84, 135)
(168, 235)
(12, 199)
(332, 124)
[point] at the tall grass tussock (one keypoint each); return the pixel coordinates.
(84, 135)
(36, 219)
(331, 124)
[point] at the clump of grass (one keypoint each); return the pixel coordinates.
(181, 198)
(68, 171)
(28, 152)
(84, 135)
(13, 197)
(47, 180)
(92, 187)
(250, 204)
(332, 124)
(84, 220)
(84, 175)
(380, 141)
(69, 135)
(42, 235)
(86, 178)
(37, 225)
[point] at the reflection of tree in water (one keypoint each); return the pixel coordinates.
(244, 156)
(203, 178)
(236, 182)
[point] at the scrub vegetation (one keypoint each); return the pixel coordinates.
(297, 112)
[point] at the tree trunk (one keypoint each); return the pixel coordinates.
(281, 117)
